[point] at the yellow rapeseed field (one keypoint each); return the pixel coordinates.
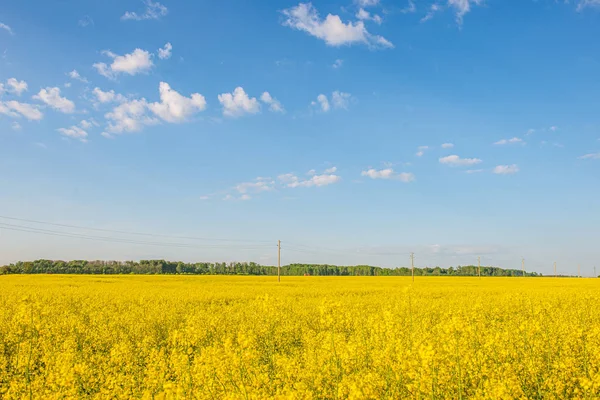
(218, 337)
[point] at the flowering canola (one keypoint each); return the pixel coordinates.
(228, 337)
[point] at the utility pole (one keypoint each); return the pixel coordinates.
(479, 266)
(279, 261)
(412, 265)
(522, 266)
(595, 276)
(555, 269)
(578, 270)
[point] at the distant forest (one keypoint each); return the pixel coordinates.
(238, 268)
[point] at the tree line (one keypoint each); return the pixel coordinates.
(239, 268)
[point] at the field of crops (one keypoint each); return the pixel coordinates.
(217, 337)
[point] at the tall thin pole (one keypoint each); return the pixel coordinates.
(595, 276)
(412, 265)
(578, 271)
(279, 261)
(555, 269)
(522, 266)
(479, 266)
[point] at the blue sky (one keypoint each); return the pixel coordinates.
(354, 131)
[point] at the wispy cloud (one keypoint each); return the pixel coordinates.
(339, 100)
(388, 173)
(76, 76)
(509, 141)
(455, 160)
(583, 4)
(7, 29)
(421, 151)
(506, 169)
(154, 10)
(85, 21)
(591, 156)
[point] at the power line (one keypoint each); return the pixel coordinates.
(132, 233)
(21, 228)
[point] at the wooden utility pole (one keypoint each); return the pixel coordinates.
(555, 269)
(479, 266)
(412, 265)
(522, 266)
(279, 261)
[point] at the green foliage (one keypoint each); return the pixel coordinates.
(238, 268)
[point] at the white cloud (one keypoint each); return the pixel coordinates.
(133, 115)
(245, 197)
(130, 116)
(421, 151)
(337, 64)
(52, 97)
(7, 29)
(591, 156)
(367, 3)
(455, 160)
(381, 174)
(447, 146)
(509, 141)
(228, 197)
(139, 61)
(554, 128)
(15, 126)
(108, 97)
(364, 15)
(530, 132)
(340, 99)
(332, 30)
(311, 172)
(75, 75)
(165, 52)
(323, 102)
(506, 169)
(74, 132)
(329, 170)
(15, 86)
(204, 197)
(259, 185)
(238, 103)
(67, 84)
(274, 104)
(462, 7)
(388, 173)
(16, 109)
(587, 3)
(154, 10)
(174, 107)
(87, 124)
(85, 21)
(292, 181)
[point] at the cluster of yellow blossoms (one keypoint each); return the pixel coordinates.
(219, 337)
